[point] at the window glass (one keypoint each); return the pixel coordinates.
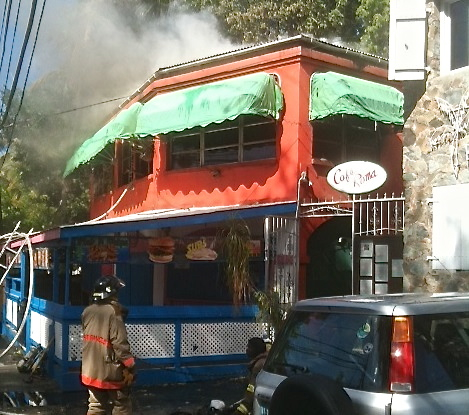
(442, 352)
(259, 151)
(221, 138)
(221, 156)
(135, 160)
(352, 348)
(459, 15)
(345, 138)
(185, 151)
(125, 165)
(185, 160)
(185, 143)
(247, 138)
(102, 178)
(259, 132)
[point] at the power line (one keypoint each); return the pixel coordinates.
(12, 46)
(20, 62)
(5, 22)
(87, 106)
(10, 138)
(70, 110)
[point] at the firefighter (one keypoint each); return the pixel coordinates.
(256, 350)
(107, 364)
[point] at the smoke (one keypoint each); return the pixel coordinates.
(89, 52)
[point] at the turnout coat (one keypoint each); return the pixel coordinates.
(106, 350)
(255, 366)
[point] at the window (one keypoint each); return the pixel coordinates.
(248, 138)
(349, 347)
(342, 138)
(454, 20)
(135, 160)
(102, 175)
(441, 352)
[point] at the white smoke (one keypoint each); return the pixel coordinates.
(87, 50)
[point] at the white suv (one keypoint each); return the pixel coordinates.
(368, 355)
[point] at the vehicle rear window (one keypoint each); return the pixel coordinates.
(352, 349)
(441, 352)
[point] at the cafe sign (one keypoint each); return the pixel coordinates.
(355, 177)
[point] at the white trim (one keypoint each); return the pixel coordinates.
(445, 37)
(407, 40)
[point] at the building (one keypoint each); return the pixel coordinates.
(242, 140)
(429, 52)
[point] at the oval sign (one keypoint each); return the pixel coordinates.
(355, 177)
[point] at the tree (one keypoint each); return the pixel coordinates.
(32, 189)
(375, 15)
(354, 23)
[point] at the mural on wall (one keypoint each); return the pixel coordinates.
(165, 249)
(161, 250)
(452, 133)
(101, 249)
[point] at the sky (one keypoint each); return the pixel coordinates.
(86, 49)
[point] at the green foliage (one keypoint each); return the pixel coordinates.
(236, 249)
(22, 201)
(351, 22)
(32, 188)
(375, 17)
(271, 310)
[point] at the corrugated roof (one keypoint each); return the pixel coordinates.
(162, 218)
(310, 41)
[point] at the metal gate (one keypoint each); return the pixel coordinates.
(281, 258)
(377, 225)
(371, 216)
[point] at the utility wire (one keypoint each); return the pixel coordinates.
(5, 22)
(12, 47)
(10, 139)
(54, 114)
(86, 106)
(20, 62)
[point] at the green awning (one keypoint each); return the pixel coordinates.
(333, 93)
(123, 125)
(256, 94)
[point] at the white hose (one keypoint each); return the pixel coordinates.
(26, 241)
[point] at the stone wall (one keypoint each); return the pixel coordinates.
(427, 162)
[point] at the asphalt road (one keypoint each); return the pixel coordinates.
(21, 394)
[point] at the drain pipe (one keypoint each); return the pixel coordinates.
(303, 178)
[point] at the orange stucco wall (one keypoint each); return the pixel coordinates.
(247, 183)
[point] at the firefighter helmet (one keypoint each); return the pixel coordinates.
(107, 286)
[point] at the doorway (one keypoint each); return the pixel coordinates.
(329, 271)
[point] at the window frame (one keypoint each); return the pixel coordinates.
(130, 164)
(446, 38)
(241, 145)
(347, 123)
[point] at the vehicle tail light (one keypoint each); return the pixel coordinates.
(401, 370)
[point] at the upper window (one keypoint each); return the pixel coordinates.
(248, 138)
(454, 41)
(135, 161)
(102, 177)
(342, 138)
